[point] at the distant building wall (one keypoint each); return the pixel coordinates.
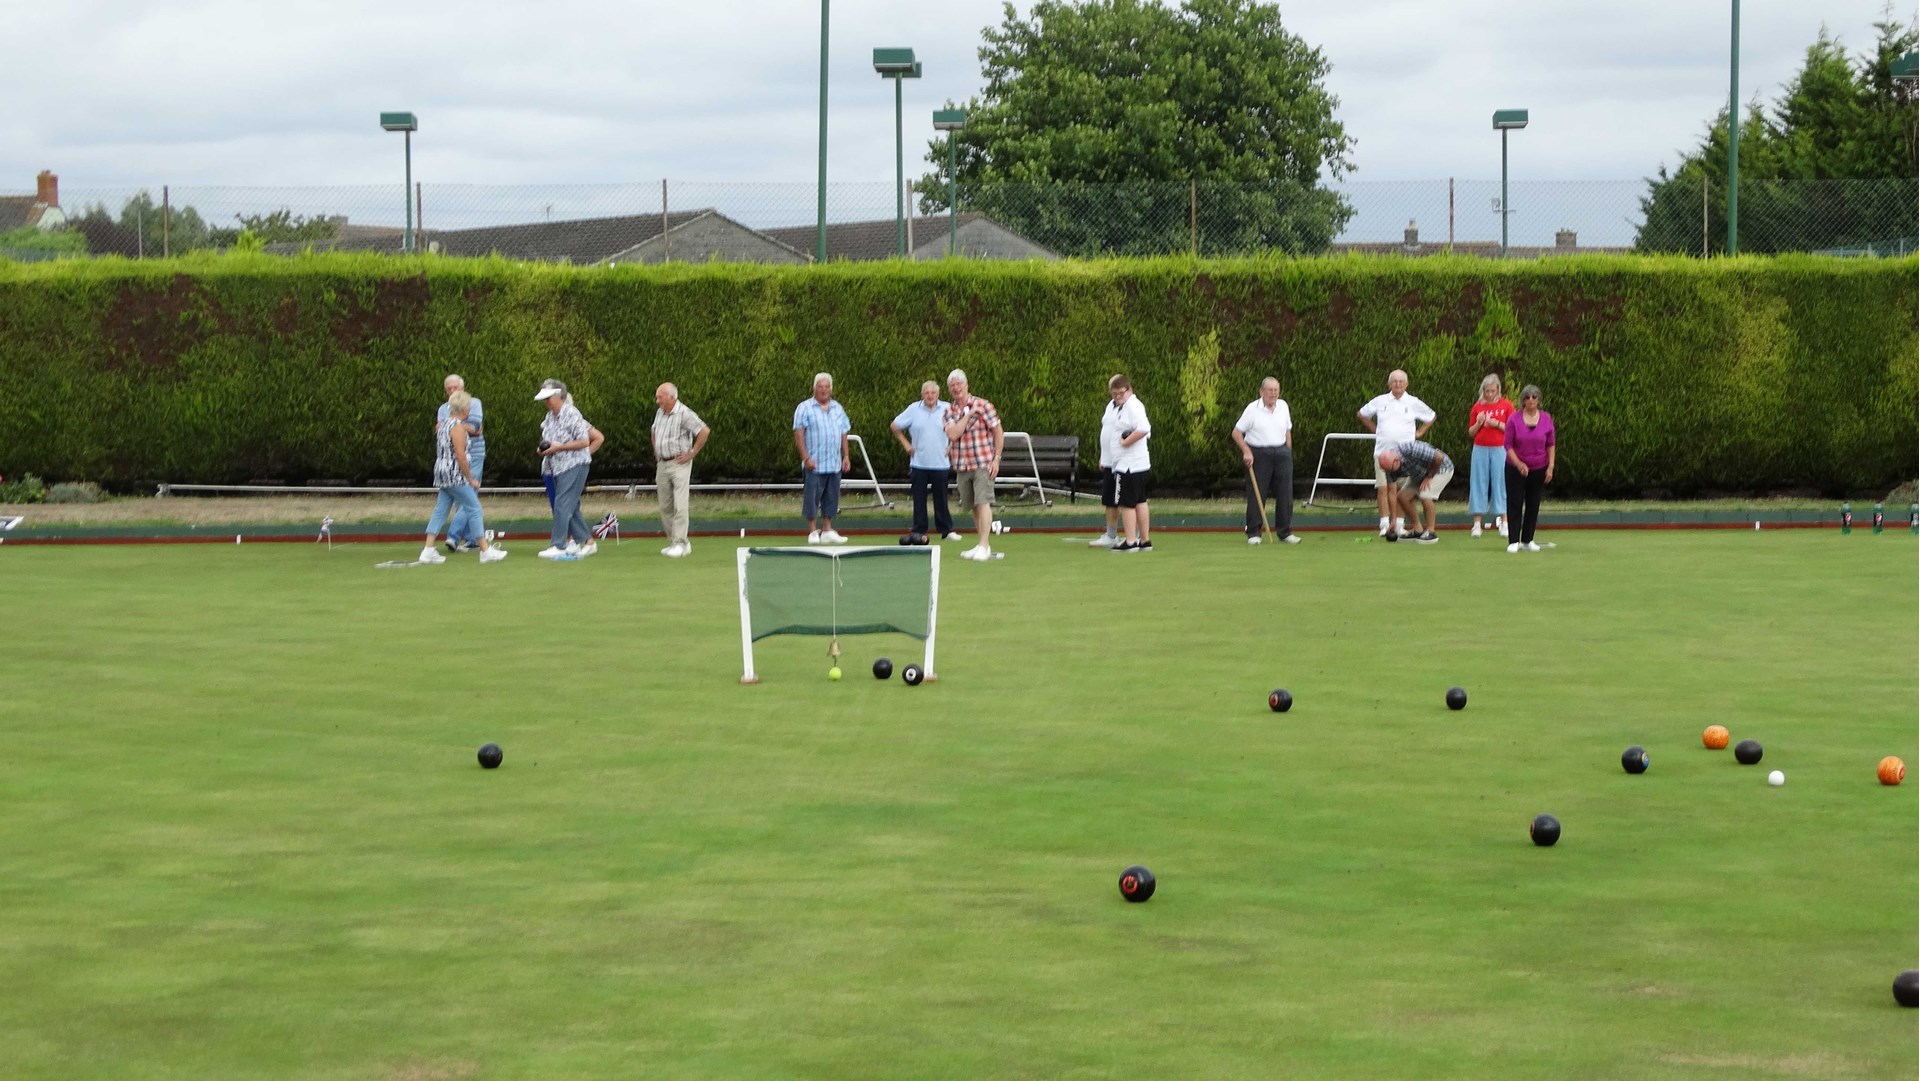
(707, 239)
(980, 239)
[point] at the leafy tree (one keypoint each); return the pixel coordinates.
(1101, 119)
(30, 238)
(281, 226)
(139, 229)
(1831, 164)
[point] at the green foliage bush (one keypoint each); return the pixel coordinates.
(74, 492)
(1665, 374)
(26, 488)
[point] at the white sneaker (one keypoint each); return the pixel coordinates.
(1500, 525)
(674, 551)
(1291, 538)
(1255, 539)
(1531, 547)
(1103, 542)
(814, 537)
(1476, 530)
(1512, 548)
(551, 552)
(952, 537)
(1387, 531)
(428, 555)
(831, 537)
(493, 555)
(977, 554)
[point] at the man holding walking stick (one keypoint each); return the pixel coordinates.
(1264, 433)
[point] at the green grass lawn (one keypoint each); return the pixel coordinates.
(245, 835)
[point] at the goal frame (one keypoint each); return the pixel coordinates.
(742, 555)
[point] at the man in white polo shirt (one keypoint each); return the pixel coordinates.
(1265, 435)
(1394, 418)
(1131, 466)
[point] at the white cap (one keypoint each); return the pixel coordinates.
(550, 388)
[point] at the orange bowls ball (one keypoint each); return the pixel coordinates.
(1892, 770)
(1715, 737)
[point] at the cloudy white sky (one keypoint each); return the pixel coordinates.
(246, 93)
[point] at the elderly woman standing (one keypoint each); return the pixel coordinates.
(1487, 484)
(1530, 456)
(453, 475)
(567, 443)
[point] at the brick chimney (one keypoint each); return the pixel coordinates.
(1413, 235)
(49, 189)
(1567, 239)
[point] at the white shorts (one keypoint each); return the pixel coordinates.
(1436, 481)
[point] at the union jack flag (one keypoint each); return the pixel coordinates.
(609, 524)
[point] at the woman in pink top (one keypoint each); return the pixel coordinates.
(1530, 454)
(1486, 484)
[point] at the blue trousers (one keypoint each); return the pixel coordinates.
(463, 501)
(1487, 483)
(567, 522)
(467, 527)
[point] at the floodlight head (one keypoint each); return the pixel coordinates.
(1907, 67)
(896, 63)
(1509, 119)
(399, 122)
(949, 119)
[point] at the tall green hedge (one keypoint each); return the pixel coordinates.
(1665, 374)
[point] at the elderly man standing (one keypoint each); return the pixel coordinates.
(820, 428)
(463, 535)
(921, 429)
(1264, 433)
(1394, 418)
(1131, 466)
(678, 436)
(976, 440)
(1416, 467)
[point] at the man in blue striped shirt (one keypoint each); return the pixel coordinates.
(820, 428)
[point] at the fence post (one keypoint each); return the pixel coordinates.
(1705, 183)
(1449, 215)
(666, 244)
(419, 217)
(166, 222)
(1193, 215)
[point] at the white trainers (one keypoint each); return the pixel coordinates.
(1476, 530)
(1500, 525)
(1291, 538)
(674, 551)
(428, 555)
(551, 552)
(1255, 539)
(1103, 542)
(591, 548)
(1531, 547)
(831, 537)
(1512, 548)
(977, 554)
(493, 555)
(952, 537)
(813, 537)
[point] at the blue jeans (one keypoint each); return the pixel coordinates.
(567, 523)
(467, 527)
(820, 496)
(464, 501)
(1487, 483)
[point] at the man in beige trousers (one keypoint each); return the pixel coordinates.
(678, 435)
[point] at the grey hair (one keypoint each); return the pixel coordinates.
(1269, 379)
(819, 376)
(930, 383)
(956, 374)
(456, 381)
(671, 390)
(1529, 391)
(459, 402)
(1492, 380)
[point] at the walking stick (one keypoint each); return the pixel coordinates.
(1266, 528)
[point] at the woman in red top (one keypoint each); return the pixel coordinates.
(1486, 483)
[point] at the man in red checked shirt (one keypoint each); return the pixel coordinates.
(975, 440)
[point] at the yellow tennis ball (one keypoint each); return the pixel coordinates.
(834, 672)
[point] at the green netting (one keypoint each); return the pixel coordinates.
(818, 591)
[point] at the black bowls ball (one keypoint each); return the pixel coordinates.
(1456, 698)
(544, 444)
(1136, 884)
(911, 675)
(1906, 987)
(490, 755)
(1634, 759)
(882, 668)
(1545, 830)
(1747, 751)
(1280, 701)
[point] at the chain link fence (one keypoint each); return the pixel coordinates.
(695, 221)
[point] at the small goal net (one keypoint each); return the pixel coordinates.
(834, 591)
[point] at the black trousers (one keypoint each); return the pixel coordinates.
(931, 482)
(1523, 503)
(1273, 471)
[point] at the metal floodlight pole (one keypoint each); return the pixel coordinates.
(951, 121)
(409, 192)
(407, 124)
(1733, 140)
(1505, 120)
(820, 234)
(899, 172)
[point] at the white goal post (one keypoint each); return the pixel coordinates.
(829, 590)
(1319, 470)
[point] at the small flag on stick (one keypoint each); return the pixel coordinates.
(609, 524)
(326, 531)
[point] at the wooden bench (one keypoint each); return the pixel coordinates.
(1055, 457)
